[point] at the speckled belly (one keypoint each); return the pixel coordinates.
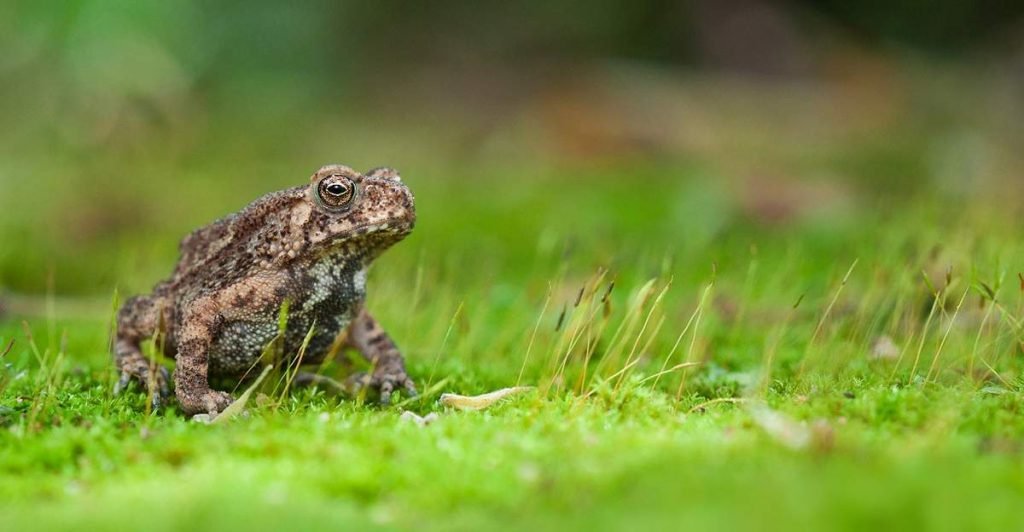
(326, 299)
(240, 345)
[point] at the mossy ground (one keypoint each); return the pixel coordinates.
(845, 359)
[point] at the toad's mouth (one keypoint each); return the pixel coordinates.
(398, 227)
(366, 241)
(374, 236)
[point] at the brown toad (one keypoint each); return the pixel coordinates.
(309, 246)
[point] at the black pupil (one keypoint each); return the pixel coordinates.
(336, 189)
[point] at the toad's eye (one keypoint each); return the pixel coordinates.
(335, 192)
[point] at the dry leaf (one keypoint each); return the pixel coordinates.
(796, 435)
(781, 428)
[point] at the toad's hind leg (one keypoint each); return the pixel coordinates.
(138, 320)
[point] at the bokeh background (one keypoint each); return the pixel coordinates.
(814, 204)
(596, 126)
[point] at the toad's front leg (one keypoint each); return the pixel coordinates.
(367, 336)
(195, 336)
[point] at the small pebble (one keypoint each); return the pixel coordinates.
(205, 419)
(420, 421)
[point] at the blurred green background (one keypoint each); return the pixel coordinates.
(762, 149)
(610, 128)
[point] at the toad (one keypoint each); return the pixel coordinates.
(307, 248)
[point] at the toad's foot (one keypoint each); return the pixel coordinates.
(154, 380)
(206, 401)
(383, 383)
